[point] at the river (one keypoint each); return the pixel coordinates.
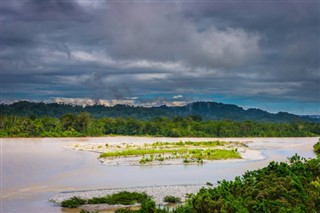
(33, 170)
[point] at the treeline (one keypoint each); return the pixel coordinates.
(82, 124)
(207, 110)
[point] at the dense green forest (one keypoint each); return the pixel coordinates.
(83, 124)
(207, 110)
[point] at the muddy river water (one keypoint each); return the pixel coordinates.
(33, 170)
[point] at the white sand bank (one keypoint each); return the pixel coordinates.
(157, 192)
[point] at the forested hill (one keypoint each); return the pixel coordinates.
(205, 110)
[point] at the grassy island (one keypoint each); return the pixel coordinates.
(188, 152)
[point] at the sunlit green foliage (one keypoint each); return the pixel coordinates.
(137, 152)
(316, 148)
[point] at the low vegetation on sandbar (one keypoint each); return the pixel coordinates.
(124, 198)
(186, 152)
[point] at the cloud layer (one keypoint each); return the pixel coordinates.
(169, 51)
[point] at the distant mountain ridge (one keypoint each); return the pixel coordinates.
(207, 111)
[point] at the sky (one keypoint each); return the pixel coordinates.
(256, 54)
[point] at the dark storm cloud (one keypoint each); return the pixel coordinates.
(114, 50)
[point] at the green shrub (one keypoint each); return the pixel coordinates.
(124, 198)
(148, 206)
(172, 199)
(73, 202)
(97, 200)
(316, 148)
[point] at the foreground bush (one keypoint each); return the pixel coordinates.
(316, 148)
(279, 187)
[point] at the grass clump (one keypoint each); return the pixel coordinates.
(215, 154)
(73, 202)
(124, 198)
(137, 152)
(145, 160)
(172, 199)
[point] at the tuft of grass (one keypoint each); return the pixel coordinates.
(144, 160)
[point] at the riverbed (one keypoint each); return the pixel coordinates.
(33, 170)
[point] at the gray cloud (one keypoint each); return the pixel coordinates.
(161, 33)
(113, 50)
